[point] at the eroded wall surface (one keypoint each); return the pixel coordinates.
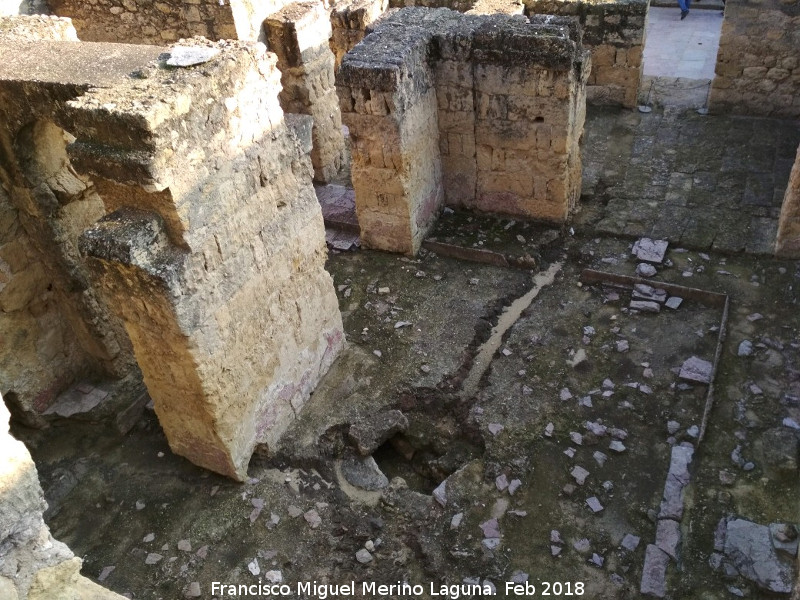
(33, 566)
(214, 252)
(349, 23)
(788, 240)
(484, 112)
(758, 63)
(614, 32)
(54, 327)
(164, 21)
(299, 34)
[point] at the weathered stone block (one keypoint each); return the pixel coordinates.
(218, 270)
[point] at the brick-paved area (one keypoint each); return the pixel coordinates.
(703, 182)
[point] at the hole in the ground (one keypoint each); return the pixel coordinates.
(430, 450)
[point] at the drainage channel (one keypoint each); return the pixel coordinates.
(507, 318)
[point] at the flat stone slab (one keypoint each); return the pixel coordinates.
(649, 250)
(696, 369)
(748, 547)
(188, 56)
(654, 572)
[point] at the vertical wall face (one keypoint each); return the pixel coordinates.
(53, 325)
(788, 243)
(216, 260)
(391, 110)
(758, 64)
(148, 21)
(299, 34)
(33, 566)
(614, 32)
(506, 98)
(349, 22)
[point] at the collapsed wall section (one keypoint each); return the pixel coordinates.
(214, 252)
(55, 325)
(506, 97)
(614, 32)
(788, 241)
(758, 63)
(299, 34)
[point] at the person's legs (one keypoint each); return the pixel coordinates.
(684, 4)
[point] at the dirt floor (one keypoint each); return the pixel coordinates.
(498, 381)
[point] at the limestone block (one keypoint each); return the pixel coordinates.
(218, 271)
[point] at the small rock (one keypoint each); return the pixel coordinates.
(253, 567)
(673, 427)
(549, 429)
(312, 518)
(455, 522)
(645, 306)
(440, 493)
(623, 345)
(582, 545)
(570, 452)
(364, 473)
(185, 546)
(514, 486)
(152, 558)
(579, 474)
(745, 348)
(501, 482)
(274, 576)
(187, 56)
(597, 560)
(630, 542)
(693, 431)
(696, 369)
(140, 505)
(555, 550)
(754, 317)
(491, 543)
(495, 428)
(594, 504)
(565, 394)
(555, 537)
(490, 528)
(673, 302)
(293, 511)
(363, 556)
(645, 270)
(600, 458)
(149, 538)
(193, 590)
(576, 437)
(650, 250)
(105, 573)
(616, 446)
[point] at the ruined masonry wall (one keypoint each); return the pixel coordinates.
(349, 23)
(758, 63)
(163, 21)
(299, 34)
(788, 241)
(215, 254)
(33, 566)
(614, 32)
(506, 97)
(56, 327)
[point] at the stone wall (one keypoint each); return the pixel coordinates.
(214, 252)
(758, 64)
(300, 36)
(788, 242)
(614, 32)
(33, 566)
(54, 328)
(349, 23)
(163, 21)
(506, 98)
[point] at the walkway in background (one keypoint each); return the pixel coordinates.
(685, 49)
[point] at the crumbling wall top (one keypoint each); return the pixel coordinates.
(394, 51)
